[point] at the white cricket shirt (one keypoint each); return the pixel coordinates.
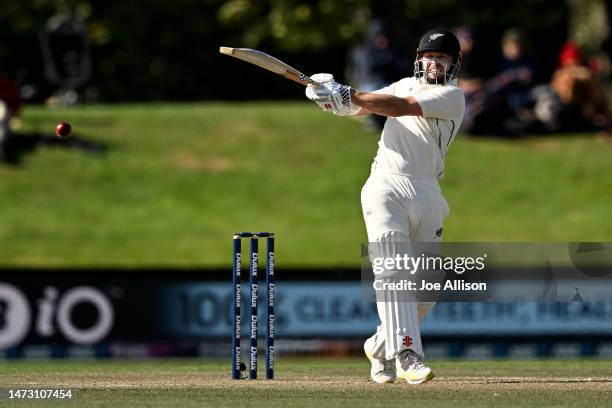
(415, 145)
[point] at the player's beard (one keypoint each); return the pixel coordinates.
(436, 77)
(439, 79)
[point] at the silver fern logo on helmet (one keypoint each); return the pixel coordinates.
(434, 36)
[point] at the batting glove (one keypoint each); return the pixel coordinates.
(331, 96)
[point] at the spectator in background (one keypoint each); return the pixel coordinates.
(10, 104)
(507, 106)
(584, 105)
(471, 81)
(374, 64)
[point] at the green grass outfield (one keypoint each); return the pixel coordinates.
(179, 179)
(321, 382)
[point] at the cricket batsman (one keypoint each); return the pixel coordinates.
(401, 201)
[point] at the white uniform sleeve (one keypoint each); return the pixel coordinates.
(443, 102)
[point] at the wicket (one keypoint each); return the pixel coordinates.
(254, 287)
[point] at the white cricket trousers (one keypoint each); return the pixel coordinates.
(400, 209)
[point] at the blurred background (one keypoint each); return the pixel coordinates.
(176, 147)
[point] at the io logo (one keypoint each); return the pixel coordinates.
(16, 315)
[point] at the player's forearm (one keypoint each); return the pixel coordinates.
(386, 105)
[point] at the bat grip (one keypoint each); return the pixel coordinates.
(314, 83)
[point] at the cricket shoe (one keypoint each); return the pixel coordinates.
(410, 367)
(382, 371)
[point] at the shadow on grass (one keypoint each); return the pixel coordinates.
(16, 146)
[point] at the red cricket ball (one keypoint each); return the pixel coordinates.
(63, 129)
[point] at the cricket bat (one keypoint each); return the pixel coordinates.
(266, 61)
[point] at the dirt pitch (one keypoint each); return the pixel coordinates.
(316, 382)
